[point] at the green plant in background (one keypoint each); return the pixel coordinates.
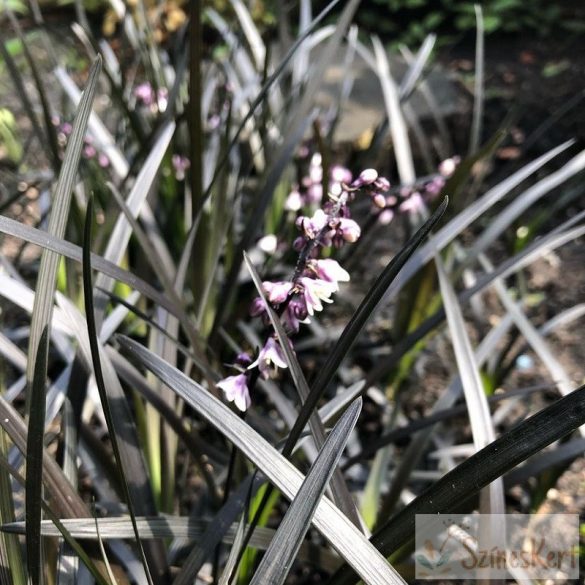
(206, 182)
(409, 21)
(8, 136)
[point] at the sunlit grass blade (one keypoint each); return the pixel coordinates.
(492, 497)
(122, 231)
(335, 527)
(281, 553)
(34, 461)
(113, 429)
(46, 281)
(183, 527)
(454, 488)
(64, 248)
(478, 93)
(523, 202)
(398, 129)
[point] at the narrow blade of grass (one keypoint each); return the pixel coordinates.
(46, 281)
(113, 429)
(34, 461)
(475, 135)
(122, 230)
(281, 553)
(398, 129)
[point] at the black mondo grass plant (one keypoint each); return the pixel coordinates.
(237, 351)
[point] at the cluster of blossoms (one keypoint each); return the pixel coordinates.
(89, 151)
(315, 279)
(154, 101)
(413, 199)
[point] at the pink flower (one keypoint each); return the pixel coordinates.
(382, 184)
(315, 193)
(294, 201)
(414, 204)
(349, 230)
(448, 166)
(235, 389)
(89, 151)
(329, 270)
(386, 216)
(277, 292)
(103, 160)
(180, 164)
(269, 359)
(144, 93)
(312, 226)
(316, 290)
(340, 174)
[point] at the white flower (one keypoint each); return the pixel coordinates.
(235, 389)
(269, 359)
(316, 290)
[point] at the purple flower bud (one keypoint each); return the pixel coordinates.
(385, 216)
(296, 313)
(299, 244)
(382, 184)
(434, 187)
(315, 193)
(236, 390)
(448, 166)
(66, 128)
(379, 200)
(312, 226)
(366, 177)
(257, 307)
(277, 292)
(349, 230)
(89, 151)
(243, 359)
